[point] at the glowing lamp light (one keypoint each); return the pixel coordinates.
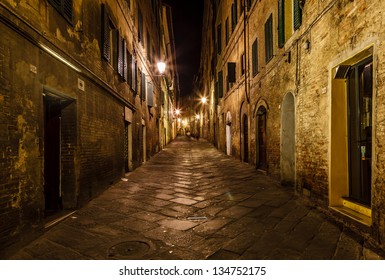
(204, 100)
(161, 67)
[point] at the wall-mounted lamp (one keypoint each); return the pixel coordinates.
(161, 67)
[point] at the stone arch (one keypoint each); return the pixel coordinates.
(287, 149)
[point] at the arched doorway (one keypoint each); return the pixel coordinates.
(245, 138)
(288, 140)
(228, 134)
(261, 138)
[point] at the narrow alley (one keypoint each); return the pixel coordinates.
(191, 201)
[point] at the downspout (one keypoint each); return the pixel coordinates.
(246, 47)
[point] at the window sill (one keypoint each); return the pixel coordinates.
(355, 211)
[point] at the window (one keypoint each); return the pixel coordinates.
(249, 4)
(129, 68)
(231, 69)
(234, 15)
(134, 69)
(64, 7)
(269, 38)
(122, 57)
(227, 31)
(143, 86)
(107, 35)
(231, 74)
(148, 46)
(297, 14)
(150, 94)
(140, 26)
(254, 54)
(219, 39)
(243, 64)
(220, 84)
(281, 23)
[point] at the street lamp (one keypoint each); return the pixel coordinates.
(204, 100)
(161, 67)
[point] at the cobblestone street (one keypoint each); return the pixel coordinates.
(191, 201)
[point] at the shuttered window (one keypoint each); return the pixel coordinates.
(249, 4)
(227, 30)
(125, 61)
(297, 14)
(234, 15)
(254, 57)
(231, 69)
(269, 38)
(219, 39)
(129, 68)
(281, 23)
(216, 92)
(143, 86)
(134, 79)
(122, 63)
(220, 84)
(150, 94)
(140, 26)
(64, 7)
(106, 34)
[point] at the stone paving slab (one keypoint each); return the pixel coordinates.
(190, 201)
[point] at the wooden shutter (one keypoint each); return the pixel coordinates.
(233, 18)
(150, 94)
(106, 47)
(67, 9)
(297, 15)
(231, 67)
(120, 55)
(220, 84)
(125, 57)
(216, 92)
(140, 26)
(281, 23)
(129, 68)
(64, 7)
(255, 57)
(133, 73)
(219, 39)
(143, 86)
(269, 38)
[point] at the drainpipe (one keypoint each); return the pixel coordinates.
(246, 47)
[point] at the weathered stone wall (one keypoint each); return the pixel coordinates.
(331, 32)
(92, 123)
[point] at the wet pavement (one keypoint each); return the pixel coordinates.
(191, 201)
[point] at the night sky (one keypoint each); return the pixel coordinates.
(187, 20)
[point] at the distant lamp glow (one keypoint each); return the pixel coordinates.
(161, 67)
(204, 100)
(177, 112)
(197, 117)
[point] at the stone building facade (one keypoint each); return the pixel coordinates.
(296, 89)
(81, 103)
